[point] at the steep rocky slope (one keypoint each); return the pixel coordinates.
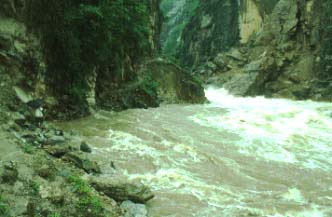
(272, 48)
(177, 14)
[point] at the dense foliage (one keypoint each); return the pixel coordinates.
(79, 36)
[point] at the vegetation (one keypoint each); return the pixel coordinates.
(54, 215)
(80, 36)
(34, 186)
(29, 149)
(3, 207)
(88, 202)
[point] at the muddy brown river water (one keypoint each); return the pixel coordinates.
(232, 157)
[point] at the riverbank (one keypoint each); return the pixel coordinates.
(44, 171)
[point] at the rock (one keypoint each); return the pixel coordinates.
(83, 162)
(235, 54)
(31, 208)
(85, 147)
(120, 190)
(18, 118)
(219, 60)
(46, 171)
(254, 66)
(134, 210)
(55, 140)
(52, 193)
(20, 206)
(10, 173)
(6, 42)
(58, 150)
(22, 94)
(241, 84)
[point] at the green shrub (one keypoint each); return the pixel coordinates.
(54, 215)
(87, 200)
(4, 210)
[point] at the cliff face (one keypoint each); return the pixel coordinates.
(177, 14)
(275, 48)
(213, 28)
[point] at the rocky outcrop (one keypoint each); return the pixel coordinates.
(157, 81)
(213, 28)
(177, 14)
(171, 83)
(283, 50)
(122, 191)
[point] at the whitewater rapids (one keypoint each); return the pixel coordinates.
(231, 157)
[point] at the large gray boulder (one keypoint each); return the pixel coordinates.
(120, 190)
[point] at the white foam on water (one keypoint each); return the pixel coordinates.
(295, 195)
(274, 129)
(278, 130)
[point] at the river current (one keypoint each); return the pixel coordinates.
(231, 157)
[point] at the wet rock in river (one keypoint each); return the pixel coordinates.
(121, 190)
(85, 147)
(133, 209)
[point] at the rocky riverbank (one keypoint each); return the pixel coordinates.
(44, 172)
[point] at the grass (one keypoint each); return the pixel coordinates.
(87, 201)
(4, 209)
(54, 215)
(34, 188)
(29, 149)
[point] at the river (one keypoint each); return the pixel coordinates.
(231, 157)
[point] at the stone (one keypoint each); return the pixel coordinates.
(121, 190)
(55, 140)
(82, 162)
(58, 150)
(10, 173)
(52, 193)
(235, 54)
(85, 147)
(253, 66)
(219, 60)
(6, 42)
(133, 209)
(18, 118)
(46, 171)
(240, 84)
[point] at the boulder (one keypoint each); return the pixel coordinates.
(84, 147)
(55, 140)
(10, 173)
(171, 83)
(121, 190)
(82, 162)
(133, 209)
(58, 150)
(235, 54)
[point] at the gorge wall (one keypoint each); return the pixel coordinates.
(177, 14)
(279, 48)
(82, 56)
